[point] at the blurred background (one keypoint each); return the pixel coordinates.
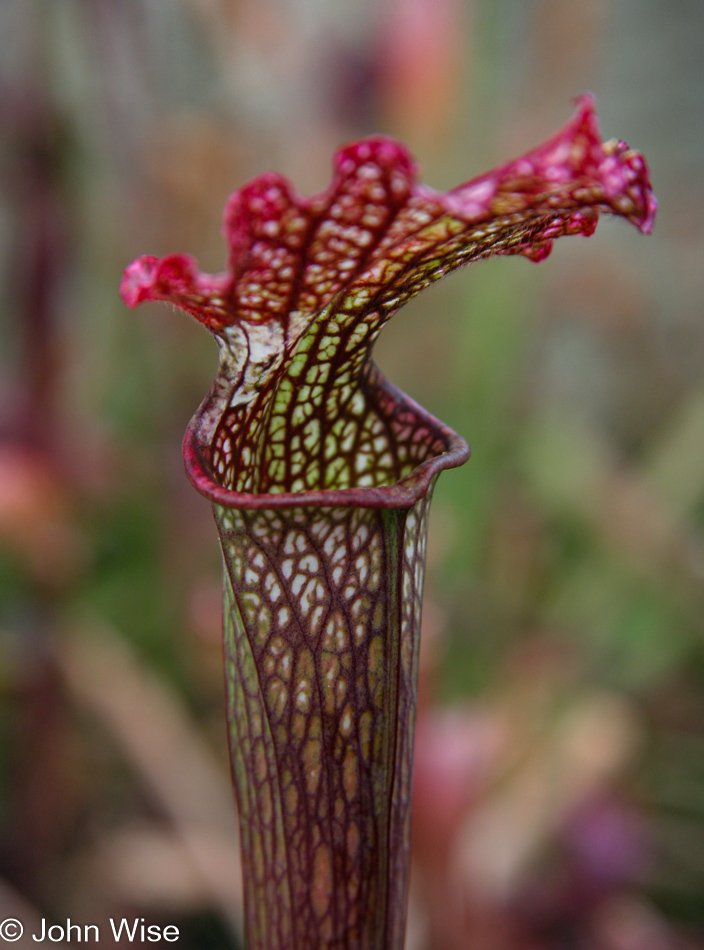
(559, 801)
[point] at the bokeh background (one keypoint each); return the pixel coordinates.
(559, 797)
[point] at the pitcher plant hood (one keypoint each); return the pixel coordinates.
(297, 409)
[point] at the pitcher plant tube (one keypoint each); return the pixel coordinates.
(320, 473)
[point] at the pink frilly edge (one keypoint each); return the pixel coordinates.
(575, 152)
(176, 279)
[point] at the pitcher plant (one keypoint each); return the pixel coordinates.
(320, 473)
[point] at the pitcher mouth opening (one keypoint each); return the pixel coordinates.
(445, 449)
